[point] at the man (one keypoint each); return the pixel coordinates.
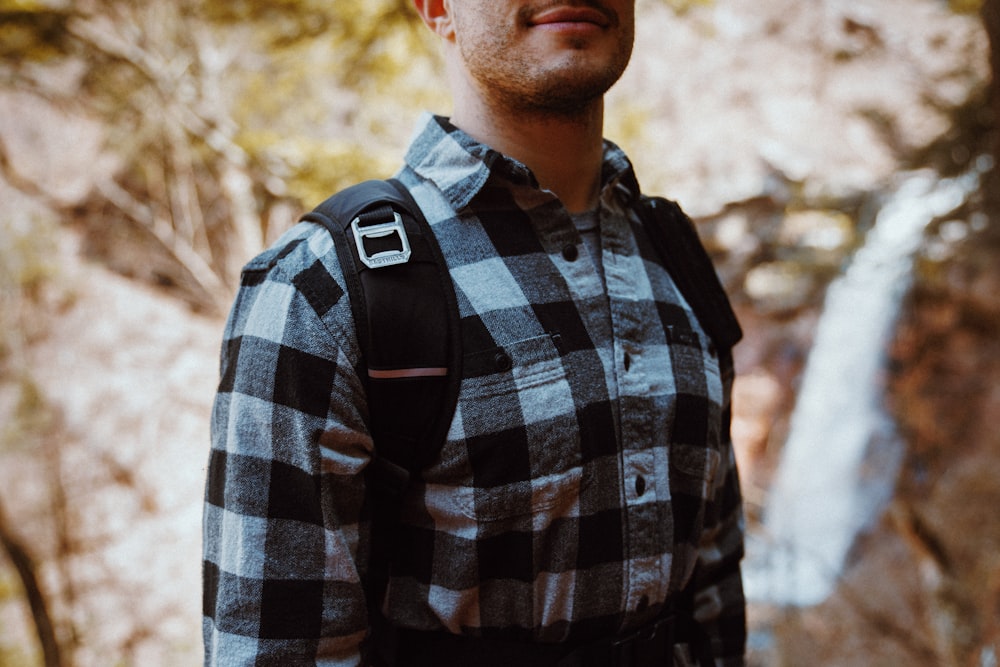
(587, 489)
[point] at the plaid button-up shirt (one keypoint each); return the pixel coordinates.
(582, 481)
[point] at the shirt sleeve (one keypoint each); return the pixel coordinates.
(720, 607)
(283, 528)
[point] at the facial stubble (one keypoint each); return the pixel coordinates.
(557, 87)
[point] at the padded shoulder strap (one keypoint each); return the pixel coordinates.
(676, 240)
(407, 322)
(406, 316)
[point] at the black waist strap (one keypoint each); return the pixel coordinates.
(651, 646)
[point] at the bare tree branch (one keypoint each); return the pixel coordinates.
(201, 271)
(26, 571)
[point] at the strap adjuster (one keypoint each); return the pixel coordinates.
(382, 258)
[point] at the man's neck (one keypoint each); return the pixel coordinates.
(564, 152)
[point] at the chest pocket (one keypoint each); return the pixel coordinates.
(513, 450)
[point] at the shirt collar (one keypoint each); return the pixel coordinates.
(460, 166)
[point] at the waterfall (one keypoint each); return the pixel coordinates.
(838, 464)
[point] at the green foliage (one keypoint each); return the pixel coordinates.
(680, 6)
(25, 258)
(11, 6)
(14, 650)
(26, 269)
(965, 6)
(315, 169)
(14, 656)
(333, 100)
(33, 416)
(372, 39)
(35, 34)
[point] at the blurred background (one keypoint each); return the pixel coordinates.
(839, 159)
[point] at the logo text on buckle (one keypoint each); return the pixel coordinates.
(386, 257)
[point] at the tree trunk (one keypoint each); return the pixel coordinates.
(25, 567)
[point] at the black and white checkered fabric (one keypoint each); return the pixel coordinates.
(587, 471)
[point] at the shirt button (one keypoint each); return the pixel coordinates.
(640, 485)
(570, 252)
(502, 361)
(627, 361)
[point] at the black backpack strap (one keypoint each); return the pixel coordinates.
(676, 240)
(406, 316)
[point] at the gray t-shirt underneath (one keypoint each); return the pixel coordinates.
(588, 224)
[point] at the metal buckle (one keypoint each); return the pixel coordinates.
(386, 257)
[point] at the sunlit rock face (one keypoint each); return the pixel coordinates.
(740, 96)
(945, 395)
